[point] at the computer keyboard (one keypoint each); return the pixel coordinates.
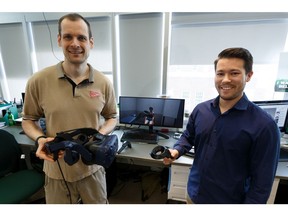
(284, 141)
(140, 135)
(191, 153)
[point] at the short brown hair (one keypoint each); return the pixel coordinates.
(74, 17)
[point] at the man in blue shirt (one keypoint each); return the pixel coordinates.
(236, 143)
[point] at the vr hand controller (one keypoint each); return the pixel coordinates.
(160, 152)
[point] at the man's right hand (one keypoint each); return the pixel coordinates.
(174, 154)
(42, 152)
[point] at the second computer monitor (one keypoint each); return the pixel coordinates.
(149, 111)
(278, 109)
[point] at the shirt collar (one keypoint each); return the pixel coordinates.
(242, 104)
(61, 73)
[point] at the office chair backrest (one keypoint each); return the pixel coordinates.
(17, 182)
(10, 154)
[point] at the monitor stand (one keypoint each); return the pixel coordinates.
(140, 135)
(165, 136)
(143, 135)
(157, 132)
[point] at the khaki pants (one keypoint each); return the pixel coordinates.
(90, 190)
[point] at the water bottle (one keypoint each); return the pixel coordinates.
(14, 103)
(10, 118)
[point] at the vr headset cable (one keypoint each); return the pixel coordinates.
(69, 193)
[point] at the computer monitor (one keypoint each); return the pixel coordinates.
(151, 112)
(278, 109)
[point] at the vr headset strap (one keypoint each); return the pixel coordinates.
(69, 134)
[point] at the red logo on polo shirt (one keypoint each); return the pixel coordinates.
(94, 94)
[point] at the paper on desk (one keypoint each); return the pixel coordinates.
(18, 120)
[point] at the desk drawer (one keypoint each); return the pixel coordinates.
(179, 173)
(178, 182)
(177, 192)
(178, 187)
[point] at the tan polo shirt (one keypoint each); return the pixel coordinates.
(50, 94)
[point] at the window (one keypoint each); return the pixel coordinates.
(14, 61)
(48, 53)
(140, 45)
(197, 38)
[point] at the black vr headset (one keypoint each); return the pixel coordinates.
(92, 146)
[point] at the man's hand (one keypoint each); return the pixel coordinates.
(174, 154)
(41, 150)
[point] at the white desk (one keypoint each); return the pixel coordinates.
(139, 154)
(22, 139)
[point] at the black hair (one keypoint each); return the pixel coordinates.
(237, 52)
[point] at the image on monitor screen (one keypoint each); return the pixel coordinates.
(161, 112)
(278, 109)
(149, 112)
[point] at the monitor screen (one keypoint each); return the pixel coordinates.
(278, 109)
(161, 112)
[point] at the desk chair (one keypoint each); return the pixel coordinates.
(17, 182)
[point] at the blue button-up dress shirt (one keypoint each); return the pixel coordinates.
(236, 153)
